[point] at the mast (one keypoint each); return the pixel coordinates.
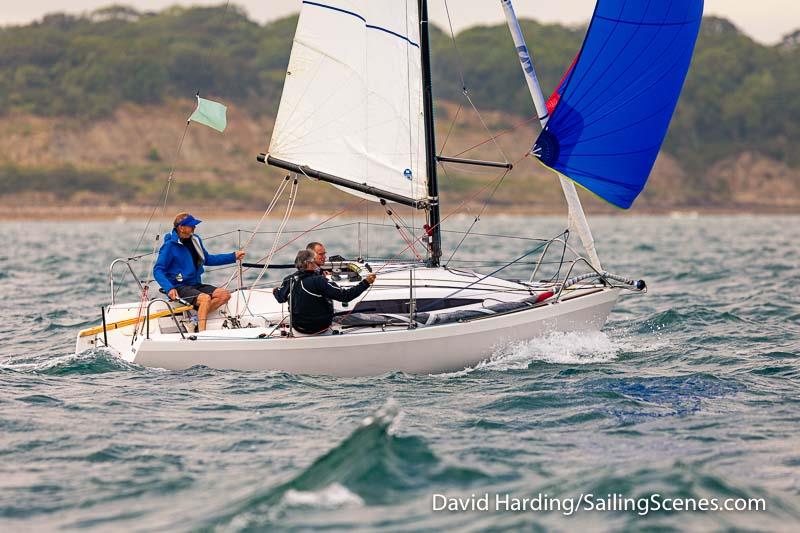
(434, 221)
(577, 217)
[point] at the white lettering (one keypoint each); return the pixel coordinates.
(501, 502)
(442, 498)
(544, 503)
(440, 502)
(589, 501)
(482, 504)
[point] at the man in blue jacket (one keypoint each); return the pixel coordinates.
(180, 266)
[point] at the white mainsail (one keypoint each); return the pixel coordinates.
(352, 102)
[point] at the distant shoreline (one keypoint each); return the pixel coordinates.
(112, 213)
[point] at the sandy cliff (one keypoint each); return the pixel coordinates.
(136, 147)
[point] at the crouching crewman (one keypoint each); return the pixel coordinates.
(310, 295)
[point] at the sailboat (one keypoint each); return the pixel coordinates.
(357, 113)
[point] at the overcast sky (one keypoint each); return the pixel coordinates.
(765, 20)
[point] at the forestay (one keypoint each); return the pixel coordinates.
(614, 106)
(352, 101)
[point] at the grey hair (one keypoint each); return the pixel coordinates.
(304, 257)
(313, 245)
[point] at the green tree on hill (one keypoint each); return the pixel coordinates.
(740, 95)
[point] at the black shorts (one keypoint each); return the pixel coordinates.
(190, 292)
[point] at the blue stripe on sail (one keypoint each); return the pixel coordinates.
(637, 23)
(390, 32)
(333, 8)
(356, 15)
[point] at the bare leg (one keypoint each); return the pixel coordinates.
(219, 298)
(203, 307)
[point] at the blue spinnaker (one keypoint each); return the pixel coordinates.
(614, 106)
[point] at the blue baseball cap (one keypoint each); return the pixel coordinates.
(190, 221)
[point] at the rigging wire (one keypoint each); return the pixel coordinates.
(483, 208)
(165, 189)
(305, 232)
(450, 129)
(515, 261)
(459, 59)
(563, 254)
(287, 214)
(399, 225)
(451, 213)
(477, 217)
(464, 89)
(270, 207)
(503, 132)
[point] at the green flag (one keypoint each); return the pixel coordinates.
(212, 114)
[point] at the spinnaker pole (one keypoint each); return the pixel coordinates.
(577, 217)
(434, 220)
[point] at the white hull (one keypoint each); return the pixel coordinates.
(429, 350)
(362, 351)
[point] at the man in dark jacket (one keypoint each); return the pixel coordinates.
(310, 295)
(180, 266)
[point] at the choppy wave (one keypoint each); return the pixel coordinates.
(95, 361)
(372, 466)
(691, 390)
(649, 397)
(674, 318)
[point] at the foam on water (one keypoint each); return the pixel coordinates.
(331, 497)
(572, 348)
(95, 361)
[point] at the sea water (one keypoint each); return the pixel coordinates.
(690, 393)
